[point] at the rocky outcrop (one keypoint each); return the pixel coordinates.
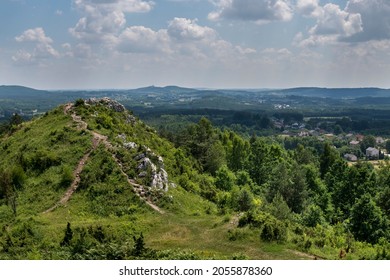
(149, 165)
(127, 145)
(158, 175)
(112, 104)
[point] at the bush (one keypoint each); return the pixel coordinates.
(273, 230)
(240, 256)
(66, 177)
(224, 179)
(79, 102)
(313, 216)
(177, 255)
(40, 160)
(237, 234)
(242, 200)
(104, 120)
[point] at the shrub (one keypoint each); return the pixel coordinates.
(104, 120)
(242, 200)
(237, 234)
(313, 216)
(240, 256)
(66, 177)
(273, 230)
(40, 160)
(79, 102)
(224, 179)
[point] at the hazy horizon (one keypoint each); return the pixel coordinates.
(194, 88)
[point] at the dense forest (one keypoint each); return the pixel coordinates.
(277, 195)
(307, 186)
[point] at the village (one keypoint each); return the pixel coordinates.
(353, 147)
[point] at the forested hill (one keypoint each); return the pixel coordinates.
(25, 92)
(337, 93)
(89, 180)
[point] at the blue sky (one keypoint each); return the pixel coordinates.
(90, 44)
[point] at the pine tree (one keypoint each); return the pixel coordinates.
(68, 236)
(139, 245)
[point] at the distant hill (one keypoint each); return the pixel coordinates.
(337, 93)
(21, 92)
(161, 90)
(23, 100)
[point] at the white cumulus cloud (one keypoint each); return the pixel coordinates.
(34, 35)
(309, 8)
(42, 46)
(139, 39)
(375, 16)
(127, 6)
(332, 23)
(333, 20)
(182, 37)
(187, 29)
(103, 20)
(259, 11)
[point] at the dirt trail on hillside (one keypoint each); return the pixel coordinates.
(73, 187)
(97, 138)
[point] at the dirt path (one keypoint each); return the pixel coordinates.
(73, 187)
(97, 138)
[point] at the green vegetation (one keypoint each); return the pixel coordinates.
(227, 196)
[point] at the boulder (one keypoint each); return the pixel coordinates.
(130, 145)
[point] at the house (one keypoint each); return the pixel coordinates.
(329, 135)
(372, 153)
(354, 143)
(379, 140)
(314, 133)
(350, 157)
(359, 137)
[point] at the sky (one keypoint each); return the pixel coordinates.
(118, 44)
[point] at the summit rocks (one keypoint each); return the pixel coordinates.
(112, 104)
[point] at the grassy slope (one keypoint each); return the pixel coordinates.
(190, 222)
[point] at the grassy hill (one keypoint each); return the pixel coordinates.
(88, 180)
(79, 164)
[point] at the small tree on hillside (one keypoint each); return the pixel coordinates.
(139, 245)
(68, 236)
(224, 179)
(367, 221)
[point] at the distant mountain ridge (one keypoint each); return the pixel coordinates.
(18, 91)
(9, 91)
(337, 92)
(29, 102)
